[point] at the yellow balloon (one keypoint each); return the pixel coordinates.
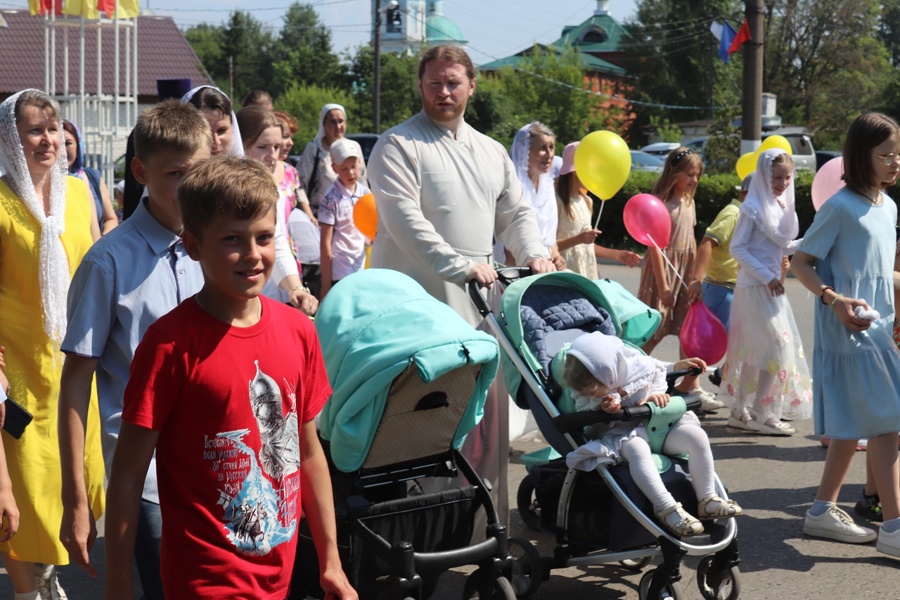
(603, 163)
(746, 164)
(776, 141)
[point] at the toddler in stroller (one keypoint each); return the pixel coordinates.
(603, 373)
(601, 516)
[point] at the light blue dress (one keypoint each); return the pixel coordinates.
(856, 376)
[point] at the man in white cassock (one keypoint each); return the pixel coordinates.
(443, 191)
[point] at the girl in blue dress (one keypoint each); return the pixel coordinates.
(847, 260)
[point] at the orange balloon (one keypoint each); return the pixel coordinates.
(365, 217)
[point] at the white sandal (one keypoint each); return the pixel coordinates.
(686, 527)
(724, 510)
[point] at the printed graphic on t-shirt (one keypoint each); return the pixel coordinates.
(259, 493)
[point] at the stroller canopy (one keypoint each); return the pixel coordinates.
(375, 325)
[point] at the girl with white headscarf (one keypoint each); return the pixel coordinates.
(314, 167)
(605, 374)
(765, 377)
(44, 232)
(532, 153)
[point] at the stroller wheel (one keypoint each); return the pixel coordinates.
(527, 569)
(671, 591)
(636, 564)
(527, 503)
(718, 585)
(501, 590)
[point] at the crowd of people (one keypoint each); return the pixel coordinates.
(132, 344)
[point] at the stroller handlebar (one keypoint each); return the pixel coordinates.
(571, 422)
(506, 275)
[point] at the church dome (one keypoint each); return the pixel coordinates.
(441, 30)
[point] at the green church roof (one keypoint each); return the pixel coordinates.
(439, 28)
(600, 33)
(592, 63)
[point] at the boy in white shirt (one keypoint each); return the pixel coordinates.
(343, 246)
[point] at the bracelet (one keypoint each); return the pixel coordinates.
(299, 287)
(836, 298)
(825, 288)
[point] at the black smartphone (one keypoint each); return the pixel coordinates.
(17, 418)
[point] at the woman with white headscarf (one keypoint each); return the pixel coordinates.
(218, 110)
(314, 167)
(532, 152)
(44, 232)
(765, 377)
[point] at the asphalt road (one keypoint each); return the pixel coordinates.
(773, 478)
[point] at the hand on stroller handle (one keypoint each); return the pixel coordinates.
(506, 275)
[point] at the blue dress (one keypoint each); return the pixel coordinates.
(856, 376)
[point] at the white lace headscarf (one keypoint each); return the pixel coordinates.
(237, 144)
(54, 272)
(322, 114)
(542, 199)
(616, 365)
(778, 224)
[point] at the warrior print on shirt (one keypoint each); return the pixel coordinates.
(259, 498)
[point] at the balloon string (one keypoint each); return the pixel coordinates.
(670, 266)
(597, 222)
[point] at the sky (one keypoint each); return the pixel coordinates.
(494, 28)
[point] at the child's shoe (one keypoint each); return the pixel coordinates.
(837, 525)
(678, 521)
(771, 427)
(714, 507)
(869, 507)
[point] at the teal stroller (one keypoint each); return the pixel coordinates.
(409, 379)
(598, 516)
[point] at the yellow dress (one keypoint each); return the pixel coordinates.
(33, 368)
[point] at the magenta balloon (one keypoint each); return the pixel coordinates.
(827, 181)
(647, 220)
(702, 334)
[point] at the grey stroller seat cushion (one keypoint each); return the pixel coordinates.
(552, 316)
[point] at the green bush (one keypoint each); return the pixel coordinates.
(714, 192)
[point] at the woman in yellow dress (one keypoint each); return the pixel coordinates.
(44, 233)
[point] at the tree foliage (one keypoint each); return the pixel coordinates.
(672, 58)
(824, 61)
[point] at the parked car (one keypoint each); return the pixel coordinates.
(660, 149)
(366, 140)
(801, 145)
(642, 161)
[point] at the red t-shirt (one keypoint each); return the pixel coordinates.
(228, 403)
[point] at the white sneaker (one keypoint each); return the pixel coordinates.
(889, 542)
(837, 525)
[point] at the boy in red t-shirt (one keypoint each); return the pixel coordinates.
(225, 388)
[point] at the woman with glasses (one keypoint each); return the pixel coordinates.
(847, 260)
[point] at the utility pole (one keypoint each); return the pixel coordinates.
(751, 117)
(376, 93)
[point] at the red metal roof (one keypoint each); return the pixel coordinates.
(163, 53)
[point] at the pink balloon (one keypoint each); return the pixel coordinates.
(827, 181)
(703, 335)
(647, 220)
